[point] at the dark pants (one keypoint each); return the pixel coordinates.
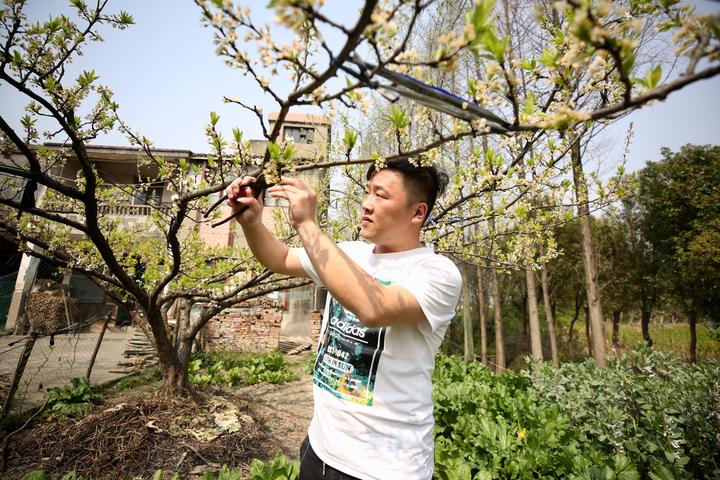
(312, 468)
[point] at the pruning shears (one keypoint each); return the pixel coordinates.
(258, 187)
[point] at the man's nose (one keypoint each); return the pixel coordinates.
(366, 203)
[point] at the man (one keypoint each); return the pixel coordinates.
(390, 303)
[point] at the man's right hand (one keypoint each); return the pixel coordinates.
(240, 195)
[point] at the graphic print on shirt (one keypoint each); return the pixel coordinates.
(348, 356)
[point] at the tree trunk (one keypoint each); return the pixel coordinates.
(692, 318)
(468, 311)
(549, 316)
(497, 301)
(571, 329)
(173, 361)
(591, 282)
(645, 315)
(533, 315)
(588, 336)
(616, 315)
(482, 307)
(497, 314)
(175, 371)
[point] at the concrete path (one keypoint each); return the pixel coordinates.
(54, 366)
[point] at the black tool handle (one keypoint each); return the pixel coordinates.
(257, 187)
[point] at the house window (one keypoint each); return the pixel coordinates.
(149, 195)
(299, 134)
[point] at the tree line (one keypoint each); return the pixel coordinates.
(657, 251)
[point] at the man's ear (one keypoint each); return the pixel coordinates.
(421, 211)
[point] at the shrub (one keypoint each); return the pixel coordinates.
(662, 413)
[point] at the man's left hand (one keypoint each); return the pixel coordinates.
(301, 198)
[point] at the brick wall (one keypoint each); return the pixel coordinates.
(252, 327)
(315, 324)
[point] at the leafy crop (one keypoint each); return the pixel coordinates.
(73, 399)
(281, 468)
(647, 416)
(239, 369)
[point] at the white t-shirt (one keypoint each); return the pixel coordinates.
(373, 416)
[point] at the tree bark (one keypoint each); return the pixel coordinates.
(692, 319)
(468, 311)
(497, 303)
(616, 315)
(549, 316)
(591, 282)
(645, 315)
(497, 316)
(588, 335)
(571, 328)
(175, 371)
(173, 361)
(482, 306)
(533, 315)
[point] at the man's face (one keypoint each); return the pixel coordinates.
(388, 214)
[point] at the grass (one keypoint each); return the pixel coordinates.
(673, 338)
(667, 337)
(149, 376)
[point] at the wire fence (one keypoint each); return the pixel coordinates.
(7, 287)
(59, 332)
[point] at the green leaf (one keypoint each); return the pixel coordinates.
(274, 150)
(214, 117)
(237, 135)
(548, 57)
(583, 30)
(349, 139)
(481, 20)
(87, 78)
(398, 117)
(628, 60)
(653, 77)
(660, 472)
(126, 18)
(496, 46)
(288, 153)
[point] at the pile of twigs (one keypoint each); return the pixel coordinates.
(134, 438)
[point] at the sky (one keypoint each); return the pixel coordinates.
(167, 79)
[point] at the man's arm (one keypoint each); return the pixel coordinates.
(374, 304)
(269, 251)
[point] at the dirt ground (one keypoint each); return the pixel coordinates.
(136, 432)
(286, 408)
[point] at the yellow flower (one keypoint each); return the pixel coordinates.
(522, 433)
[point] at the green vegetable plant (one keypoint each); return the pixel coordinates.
(280, 468)
(74, 399)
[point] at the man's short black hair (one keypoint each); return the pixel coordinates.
(425, 183)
